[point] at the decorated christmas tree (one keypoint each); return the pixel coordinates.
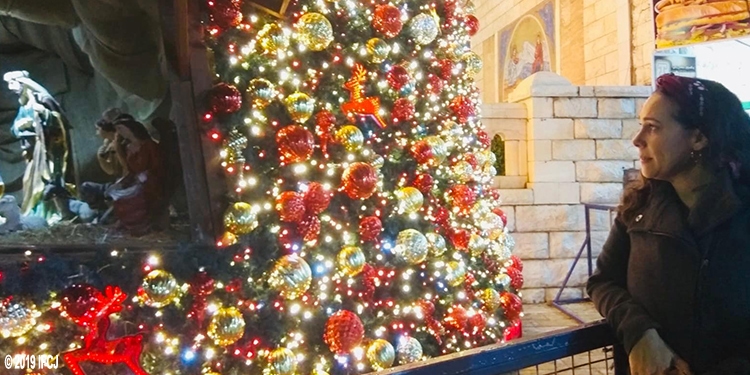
(361, 228)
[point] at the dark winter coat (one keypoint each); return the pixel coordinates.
(686, 275)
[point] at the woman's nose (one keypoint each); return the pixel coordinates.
(638, 139)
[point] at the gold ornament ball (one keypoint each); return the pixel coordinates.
(455, 273)
(351, 260)
(409, 350)
(478, 244)
(381, 354)
(472, 63)
(160, 288)
(300, 106)
(378, 50)
(438, 146)
(503, 281)
(412, 246)
(240, 218)
(228, 239)
(423, 28)
(17, 318)
(315, 31)
(291, 276)
(490, 298)
(436, 243)
(272, 38)
(463, 171)
(492, 225)
(282, 361)
(350, 137)
(377, 161)
(410, 199)
(261, 92)
(227, 326)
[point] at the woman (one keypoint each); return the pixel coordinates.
(673, 278)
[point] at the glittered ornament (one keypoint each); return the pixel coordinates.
(398, 76)
(226, 13)
(435, 84)
(351, 260)
(409, 350)
(439, 148)
(472, 63)
(273, 39)
(381, 354)
(227, 326)
(350, 137)
(490, 299)
(423, 28)
(359, 181)
(224, 99)
(436, 244)
(492, 225)
(459, 237)
(512, 305)
(344, 331)
(370, 228)
(240, 218)
(377, 161)
(515, 262)
(291, 276)
(300, 106)
(455, 273)
(291, 206)
(317, 198)
(501, 213)
(295, 143)
(403, 110)
(282, 361)
(472, 24)
(456, 318)
(461, 197)
(478, 244)
(516, 277)
(476, 322)
(234, 146)
(462, 108)
(411, 246)
(309, 227)
(484, 139)
(314, 31)
(410, 199)
(446, 68)
(387, 20)
(440, 215)
(423, 182)
(378, 50)
(159, 288)
(17, 318)
(462, 171)
(261, 92)
(422, 152)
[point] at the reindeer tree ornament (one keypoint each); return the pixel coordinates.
(358, 104)
(87, 307)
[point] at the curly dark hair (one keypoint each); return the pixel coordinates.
(714, 110)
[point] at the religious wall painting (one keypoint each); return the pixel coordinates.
(527, 46)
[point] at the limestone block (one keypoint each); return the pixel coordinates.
(523, 158)
(586, 91)
(639, 106)
(531, 245)
(532, 296)
(623, 91)
(504, 110)
(555, 91)
(510, 214)
(582, 149)
(601, 193)
(601, 170)
(552, 272)
(567, 294)
(601, 220)
(509, 129)
(516, 196)
(568, 244)
(549, 218)
(598, 129)
(616, 149)
(539, 107)
(575, 107)
(512, 162)
(550, 128)
(556, 192)
(552, 171)
(630, 127)
(540, 150)
(616, 108)
(510, 182)
(543, 84)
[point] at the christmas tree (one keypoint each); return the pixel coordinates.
(361, 229)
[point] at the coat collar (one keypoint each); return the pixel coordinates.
(665, 213)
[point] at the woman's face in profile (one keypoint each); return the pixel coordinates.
(664, 145)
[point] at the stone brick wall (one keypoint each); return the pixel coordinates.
(643, 41)
(571, 146)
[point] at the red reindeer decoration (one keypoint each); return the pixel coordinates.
(88, 308)
(359, 104)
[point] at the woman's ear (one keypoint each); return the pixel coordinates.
(699, 140)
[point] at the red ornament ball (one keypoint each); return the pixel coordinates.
(514, 330)
(515, 262)
(291, 206)
(360, 180)
(502, 215)
(201, 284)
(471, 159)
(370, 228)
(387, 20)
(403, 110)
(226, 13)
(398, 76)
(224, 99)
(463, 108)
(309, 228)
(436, 83)
(484, 138)
(344, 331)
(79, 300)
(461, 196)
(325, 121)
(295, 143)
(428, 308)
(457, 318)
(512, 305)
(423, 182)
(516, 277)
(460, 238)
(472, 24)
(422, 152)
(477, 322)
(441, 215)
(317, 198)
(446, 68)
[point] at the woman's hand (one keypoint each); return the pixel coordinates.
(652, 356)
